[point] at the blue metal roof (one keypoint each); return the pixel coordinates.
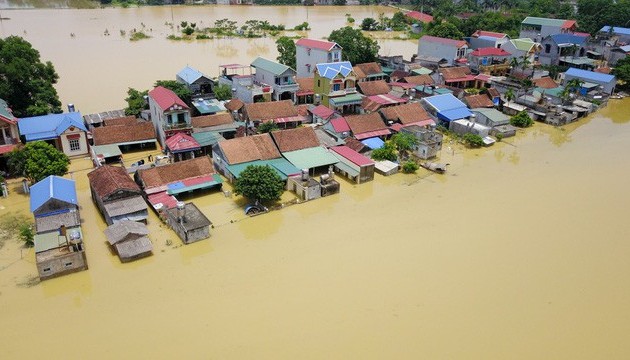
(454, 114)
(330, 70)
(444, 102)
(49, 126)
(616, 30)
(53, 187)
(590, 75)
(189, 75)
(568, 39)
(373, 143)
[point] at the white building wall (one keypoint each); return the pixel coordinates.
(65, 142)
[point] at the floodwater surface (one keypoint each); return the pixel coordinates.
(96, 69)
(520, 251)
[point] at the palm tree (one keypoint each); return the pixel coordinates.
(525, 62)
(509, 95)
(574, 85)
(514, 63)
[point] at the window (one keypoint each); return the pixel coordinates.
(68, 264)
(319, 83)
(75, 145)
(336, 87)
(547, 48)
(46, 270)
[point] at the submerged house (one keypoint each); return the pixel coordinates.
(429, 141)
(66, 132)
(59, 246)
(301, 147)
(169, 113)
(129, 239)
(446, 107)
(283, 113)
(188, 222)
(335, 83)
(116, 195)
(195, 81)
(310, 52)
(9, 136)
(353, 165)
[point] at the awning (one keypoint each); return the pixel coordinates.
(282, 120)
(343, 167)
(454, 114)
(373, 143)
(351, 99)
(310, 158)
(106, 151)
(370, 134)
(201, 182)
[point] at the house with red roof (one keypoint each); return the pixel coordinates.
(338, 126)
(419, 16)
(489, 60)
(353, 165)
(537, 28)
(484, 39)
(181, 147)
(310, 52)
(442, 48)
(9, 136)
(170, 114)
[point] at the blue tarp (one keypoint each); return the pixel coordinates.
(373, 143)
(454, 114)
(53, 187)
(49, 126)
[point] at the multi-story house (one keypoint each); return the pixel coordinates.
(442, 48)
(522, 48)
(310, 52)
(279, 76)
(565, 49)
(335, 84)
(9, 136)
(169, 113)
(244, 84)
(537, 28)
(483, 39)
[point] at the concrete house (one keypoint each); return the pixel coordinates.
(489, 60)
(537, 28)
(195, 81)
(283, 113)
(66, 132)
(591, 80)
(9, 135)
(279, 76)
(519, 48)
(484, 39)
(54, 203)
(442, 48)
(244, 84)
(565, 49)
(369, 72)
(59, 248)
(353, 165)
(429, 141)
(498, 122)
(116, 195)
(620, 34)
(129, 239)
(335, 83)
(188, 222)
(464, 126)
(301, 147)
(310, 52)
(169, 114)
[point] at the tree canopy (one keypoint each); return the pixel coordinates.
(267, 127)
(445, 30)
(178, 88)
(357, 48)
(622, 72)
(260, 183)
(222, 92)
(286, 51)
(38, 160)
(522, 120)
(26, 83)
(135, 102)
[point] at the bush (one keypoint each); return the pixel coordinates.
(138, 36)
(499, 136)
(387, 152)
(27, 234)
(473, 140)
(410, 167)
(188, 31)
(521, 120)
(350, 20)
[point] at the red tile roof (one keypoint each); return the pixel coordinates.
(106, 180)
(234, 105)
(181, 142)
(569, 24)
(295, 139)
(268, 111)
(444, 41)
(365, 123)
(166, 98)
(545, 83)
(322, 111)
(118, 134)
(478, 101)
(490, 51)
(406, 114)
(355, 144)
(340, 124)
(419, 79)
(316, 44)
(422, 17)
(181, 170)
(493, 34)
(377, 87)
(366, 69)
(249, 148)
(211, 120)
(352, 155)
(306, 86)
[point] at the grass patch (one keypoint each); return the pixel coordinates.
(138, 35)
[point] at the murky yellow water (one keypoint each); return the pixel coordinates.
(96, 70)
(519, 252)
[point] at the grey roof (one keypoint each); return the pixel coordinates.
(133, 248)
(194, 218)
(120, 230)
(273, 67)
(125, 206)
(54, 222)
(106, 115)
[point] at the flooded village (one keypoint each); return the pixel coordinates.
(499, 227)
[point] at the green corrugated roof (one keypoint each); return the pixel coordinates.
(552, 92)
(52, 240)
(281, 165)
(207, 138)
(310, 158)
(492, 114)
(107, 150)
(387, 70)
(422, 71)
(346, 168)
(271, 66)
(346, 99)
(530, 20)
(523, 44)
(577, 60)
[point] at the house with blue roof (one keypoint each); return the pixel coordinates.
(446, 108)
(565, 49)
(195, 81)
(591, 80)
(54, 203)
(621, 34)
(335, 84)
(66, 132)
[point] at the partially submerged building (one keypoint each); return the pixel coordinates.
(188, 222)
(353, 165)
(169, 113)
(116, 195)
(130, 240)
(428, 141)
(301, 148)
(66, 132)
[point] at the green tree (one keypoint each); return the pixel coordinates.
(259, 183)
(369, 24)
(403, 142)
(222, 92)
(135, 102)
(286, 51)
(445, 30)
(267, 127)
(178, 88)
(473, 140)
(26, 83)
(26, 234)
(509, 95)
(622, 72)
(357, 48)
(188, 31)
(38, 160)
(339, 2)
(410, 167)
(522, 120)
(387, 152)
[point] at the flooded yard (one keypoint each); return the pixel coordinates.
(520, 251)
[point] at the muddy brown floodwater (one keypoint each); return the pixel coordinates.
(520, 251)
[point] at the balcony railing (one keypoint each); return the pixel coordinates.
(179, 125)
(487, 69)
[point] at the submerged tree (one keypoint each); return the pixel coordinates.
(38, 160)
(26, 83)
(259, 183)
